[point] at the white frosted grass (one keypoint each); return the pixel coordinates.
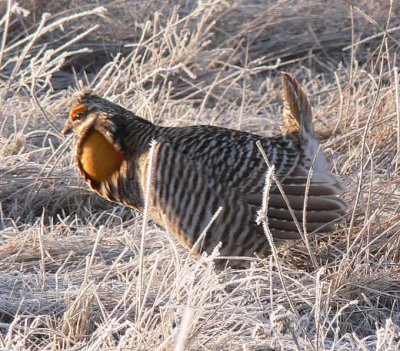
(80, 273)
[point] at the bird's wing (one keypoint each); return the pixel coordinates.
(186, 198)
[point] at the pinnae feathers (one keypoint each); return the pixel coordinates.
(297, 114)
(80, 96)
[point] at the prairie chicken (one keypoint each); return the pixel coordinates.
(196, 170)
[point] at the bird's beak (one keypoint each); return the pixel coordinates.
(67, 128)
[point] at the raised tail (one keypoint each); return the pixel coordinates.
(297, 113)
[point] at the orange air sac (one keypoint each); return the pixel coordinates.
(99, 158)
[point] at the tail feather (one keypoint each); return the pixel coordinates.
(291, 225)
(312, 216)
(297, 113)
(322, 213)
(313, 190)
(284, 234)
(314, 203)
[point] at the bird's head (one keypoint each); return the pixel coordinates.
(87, 110)
(97, 124)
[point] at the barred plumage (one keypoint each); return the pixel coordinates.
(196, 170)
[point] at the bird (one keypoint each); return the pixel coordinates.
(204, 184)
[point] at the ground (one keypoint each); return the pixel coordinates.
(77, 272)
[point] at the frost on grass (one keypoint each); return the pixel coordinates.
(78, 272)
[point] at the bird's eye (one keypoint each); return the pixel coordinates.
(78, 113)
(77, 116)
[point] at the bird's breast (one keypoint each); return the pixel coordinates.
(98, 157)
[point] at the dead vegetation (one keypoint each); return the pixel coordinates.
(70, 262)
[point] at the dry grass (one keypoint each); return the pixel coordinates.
(71, 274)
